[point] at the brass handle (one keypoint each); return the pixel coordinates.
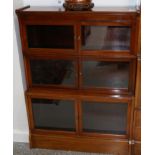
(79, 37)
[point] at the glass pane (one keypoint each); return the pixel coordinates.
(105, 74)
(45, 36)
(105, 38)
(57, 72)
(104, 117)
(53, 114)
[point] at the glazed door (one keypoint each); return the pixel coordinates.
(107, 37)
(115, 38)
(54, 71)
(52, 113)
(107, 75)
(49, 37)
(102, 117)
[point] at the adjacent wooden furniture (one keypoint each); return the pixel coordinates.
(83, 78)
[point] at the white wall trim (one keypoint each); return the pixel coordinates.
(20, 136)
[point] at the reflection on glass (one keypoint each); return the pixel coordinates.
(57, 72)
(53, 114)
(105, 74)
(110, 118)
(105, 38)
(53, 36)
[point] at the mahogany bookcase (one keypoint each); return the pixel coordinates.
(83, 78)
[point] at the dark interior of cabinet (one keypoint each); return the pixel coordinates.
(54, 114)
(95, 74)
(103, 74)
(108, 118)
(97, 117)
(105, 38)
(52, 72)
(50, 36)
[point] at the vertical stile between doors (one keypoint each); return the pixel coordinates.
(79, 116)
(78, 36)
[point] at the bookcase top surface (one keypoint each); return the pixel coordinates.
(95, 9)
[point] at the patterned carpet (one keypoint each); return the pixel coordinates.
(23, 149)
